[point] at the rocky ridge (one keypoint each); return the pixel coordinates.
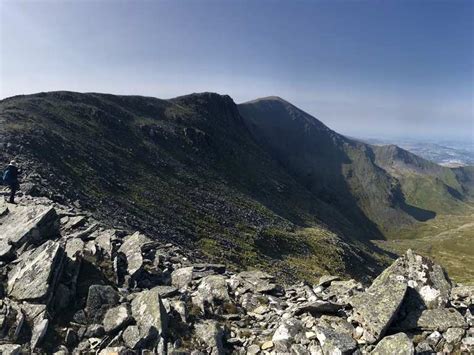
(70, 285)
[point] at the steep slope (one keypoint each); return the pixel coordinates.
(186, 170)
(425, 184)
(381, 188)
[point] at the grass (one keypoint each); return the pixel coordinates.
(448, 239)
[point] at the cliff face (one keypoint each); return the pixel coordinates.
(71, 284)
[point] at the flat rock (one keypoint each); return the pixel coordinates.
(376, 308)
(26, 224)
(318, 307)
(397, 344)
(35, 276)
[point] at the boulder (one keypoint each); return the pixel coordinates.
(35, 275)
(285, 334)
(376, 308)
(100, 299)
(10, 349)
(454, 335)
(116, 318)
(182, 277)
(462, 296)
(256, 281)
(132, 248)
(397, 344)
(26, 224)
(150, 314)
(334, 342)
(318, 307)
(211, 334)
(427, 279)
(440, 319)
(211, 291)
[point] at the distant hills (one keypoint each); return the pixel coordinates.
(261, 183)
(444, 152)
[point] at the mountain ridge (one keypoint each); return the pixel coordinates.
(190, 169)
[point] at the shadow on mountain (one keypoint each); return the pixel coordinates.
(419, 214)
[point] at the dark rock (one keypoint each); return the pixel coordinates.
(99, 299)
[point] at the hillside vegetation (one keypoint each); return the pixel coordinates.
(260, 184)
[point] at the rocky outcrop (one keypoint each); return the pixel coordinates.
(90, 289)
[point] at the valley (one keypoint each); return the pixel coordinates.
(447, 238)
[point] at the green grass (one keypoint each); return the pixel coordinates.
(448, 239)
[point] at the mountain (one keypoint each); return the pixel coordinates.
(383, 188)
(259, 184)
(186, 170)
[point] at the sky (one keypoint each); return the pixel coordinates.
(365, 68)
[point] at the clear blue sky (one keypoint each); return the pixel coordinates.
(391, 68)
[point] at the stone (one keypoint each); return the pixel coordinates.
(181, 278)
(132, 248)
(26, 224)
(99, 299)
(212, 290)
(428, 279)
(440, 319)
(285, 333)
(132, 337)
(376, 308)
(74, 248)
(71, 338)
(424, 348)
(253, 349)
(116, 318)
(326, 280)
(38, 332)
(333, 342)
(10, 349)
(434, 338)
(341, 291)
(150, 314)
(258, 281)
(113, 350)
(211, 334)
(35, 276)
(267, 345)
(462, 296)
(318, 307)
(167, 291)
(104, 242)
(397, 344)
(454, 335)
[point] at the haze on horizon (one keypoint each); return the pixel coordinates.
(365, 68)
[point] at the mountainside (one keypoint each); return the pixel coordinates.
(186, 170)
(71, 285)
(260, 184)
(383, 188)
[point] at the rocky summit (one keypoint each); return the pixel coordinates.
(71, 285)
